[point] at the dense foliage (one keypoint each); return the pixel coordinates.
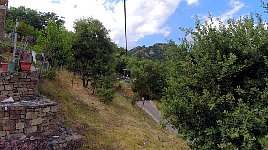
(148, 78)
(94, 56)
(38, 20)
(217, 87)
(56, 43)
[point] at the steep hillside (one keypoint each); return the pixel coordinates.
(118, 125)
(155, 52)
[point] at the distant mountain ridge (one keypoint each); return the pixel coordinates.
(155, 52)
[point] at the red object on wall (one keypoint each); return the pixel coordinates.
(25, 66)
(4, 66)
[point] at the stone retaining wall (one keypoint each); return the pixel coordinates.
(31, 121)
(20, 85)
(28, 118)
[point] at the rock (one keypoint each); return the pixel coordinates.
(23, 137)
(9, 100)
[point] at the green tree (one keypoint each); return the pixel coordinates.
(120, 59)
(94, 56)
(56, 43)
(264, 5)
(149, 77)
(38, 20)
(25, 30)
(217, 87)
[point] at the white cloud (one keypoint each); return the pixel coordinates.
(236, 6)
(191, 2)
(144, 17)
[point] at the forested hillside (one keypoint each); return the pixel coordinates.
(155, 52)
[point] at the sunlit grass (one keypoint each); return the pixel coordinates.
(118, 125)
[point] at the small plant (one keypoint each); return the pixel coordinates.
(105, 95)
(7, 57)
(134, 99)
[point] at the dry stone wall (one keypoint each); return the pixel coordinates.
(28, 118)
(21, 86)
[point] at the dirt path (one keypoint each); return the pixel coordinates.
(150, 109)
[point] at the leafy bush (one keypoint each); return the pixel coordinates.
(105, 95)
(149, 78)
(49, 74)
(5, 47)
(217, 87)
(105, 89)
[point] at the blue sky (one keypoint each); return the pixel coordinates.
(148, 21)
(185, 16)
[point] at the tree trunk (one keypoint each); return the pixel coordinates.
(93, 90)
(84, 83)
(87, 83)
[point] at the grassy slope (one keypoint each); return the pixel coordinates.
(118, 125)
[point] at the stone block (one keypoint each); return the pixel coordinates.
(41, 114)
(15, 114)
(47, 109)
(20, 125)
(2, 114)
(2, 120)
(22, 89)
(30, 130)
(15, 85)
(16, 98)
(36, 121)
(22, 116)
(54, 108)
(5, 82)
(5, 93)
(30, 91)
(40, 128)
(2, 133)
(25, 81)
(31, 115)
(6, 114)
(1, 97)
(16, 135)
(38, 110)
(46, 123)
(20, 131)
(9, 87)
(8, 125)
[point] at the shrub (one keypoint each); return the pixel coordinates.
(149, 78)
(105, 88)
(217, 87)
(105, 95)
